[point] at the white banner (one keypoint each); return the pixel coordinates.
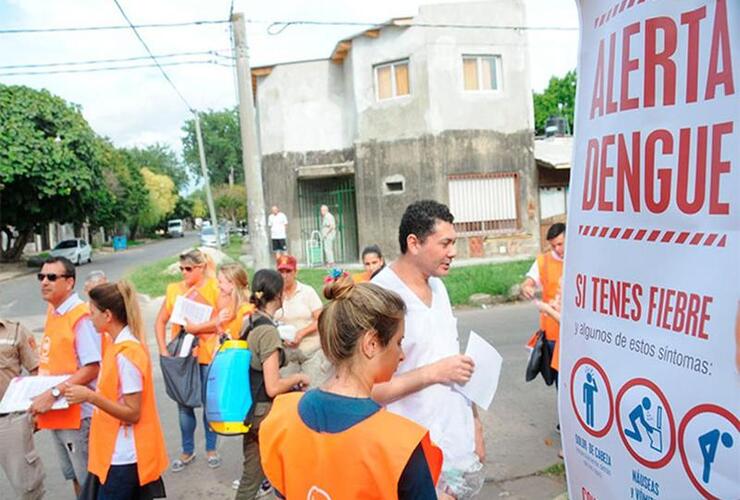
(649, 382)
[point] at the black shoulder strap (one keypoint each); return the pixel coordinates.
(254, 323)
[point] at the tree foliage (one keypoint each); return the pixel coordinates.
(50, 166)
(160, 159)
(221, 142)
(230, 202)
(162, 198)
(559, 91)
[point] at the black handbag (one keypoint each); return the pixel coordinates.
(539, 361)
(182, 375)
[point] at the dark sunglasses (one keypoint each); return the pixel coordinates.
(187, 269)
(51, 276)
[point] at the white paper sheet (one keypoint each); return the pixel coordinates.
(22, 390)
(482, 386)
(186, 346)
(190, 310)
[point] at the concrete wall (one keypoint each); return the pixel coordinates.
(425, 164)
(302, 108)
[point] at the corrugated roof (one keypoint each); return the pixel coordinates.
(554, 152)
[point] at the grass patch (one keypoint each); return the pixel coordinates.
(494, 279)
(557, 469)
(151, 279)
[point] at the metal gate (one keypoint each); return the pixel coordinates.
(337, 193)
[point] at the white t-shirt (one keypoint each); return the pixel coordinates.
(430, 335)
(130, 382)
(277, 223)
(87, 344)
(534, 271)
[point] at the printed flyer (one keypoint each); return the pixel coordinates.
(649, 394)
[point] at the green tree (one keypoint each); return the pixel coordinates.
(127, 194)
(230, 202)
(221, 142)
(160, 159)
(162, 198)
(50, 167)
(560, 91)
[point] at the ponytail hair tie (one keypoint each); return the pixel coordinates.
(334, 274)
(258, 294)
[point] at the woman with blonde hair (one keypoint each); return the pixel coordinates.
(199, 285)
(233, 304)
(126, 446)
(308, 437)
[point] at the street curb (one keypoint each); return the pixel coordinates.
(17, 274)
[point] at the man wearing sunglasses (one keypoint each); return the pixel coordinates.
(70, 346)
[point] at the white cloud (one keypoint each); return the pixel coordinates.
(138, 107)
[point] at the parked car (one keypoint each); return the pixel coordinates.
(208, 237)
(76, 250)
(175, 228)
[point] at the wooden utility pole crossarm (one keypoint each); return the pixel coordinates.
(251, 155)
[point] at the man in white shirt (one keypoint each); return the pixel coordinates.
(277, 222)
(422, 386)
(328, 234)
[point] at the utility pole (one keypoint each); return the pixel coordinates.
(207, 180)
(251, 155)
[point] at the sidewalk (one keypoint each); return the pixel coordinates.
(11, 270)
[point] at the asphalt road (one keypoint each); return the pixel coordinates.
(19, 298)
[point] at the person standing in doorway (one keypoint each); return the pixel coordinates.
(328, 234)
(70, 346)
(278, 222)
(18, 456)
(421, 388)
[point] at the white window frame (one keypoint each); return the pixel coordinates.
(498, 61)
(394, 90)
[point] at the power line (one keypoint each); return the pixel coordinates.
(18, 31)
(106, 61)
(277, 27)
(164, 73)
(114, 68)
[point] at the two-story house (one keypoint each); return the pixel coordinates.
(435, 106)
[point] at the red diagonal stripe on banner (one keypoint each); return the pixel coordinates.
(654, 235)
(632, 2)
(710, 239)
(585, 229)
(580, 229)
(627, 233)
(594, 230)
(682, 237)
(603, 232)
(616, 9)
(640, 1)
(667, 236)
(621, 7)
(615, 232)
(696, 239)
(640, 234)
(722, 241)
(608, 15)
(601, 20)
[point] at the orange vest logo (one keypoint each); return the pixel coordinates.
(316, 493)
(44, 350)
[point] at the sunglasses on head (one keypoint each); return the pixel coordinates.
(51, 276)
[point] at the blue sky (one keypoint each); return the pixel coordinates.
(137, 107)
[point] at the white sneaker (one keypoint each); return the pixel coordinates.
(235, 484)
(265, 489)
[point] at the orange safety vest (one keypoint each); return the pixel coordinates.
(302, 463)
(234, 327)
(151, 454)
(58, 356)
(551, 270)
(361, 277)
(207, 294)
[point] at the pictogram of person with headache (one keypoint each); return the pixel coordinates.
(589, 388)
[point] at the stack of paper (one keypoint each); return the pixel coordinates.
(22, 390)
(190, 310)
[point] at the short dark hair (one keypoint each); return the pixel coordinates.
(420, 218)
(555, 230)
(69, 268)
(372, 249)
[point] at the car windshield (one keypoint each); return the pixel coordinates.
(207, 231)
(66, 244)
(176, 223)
